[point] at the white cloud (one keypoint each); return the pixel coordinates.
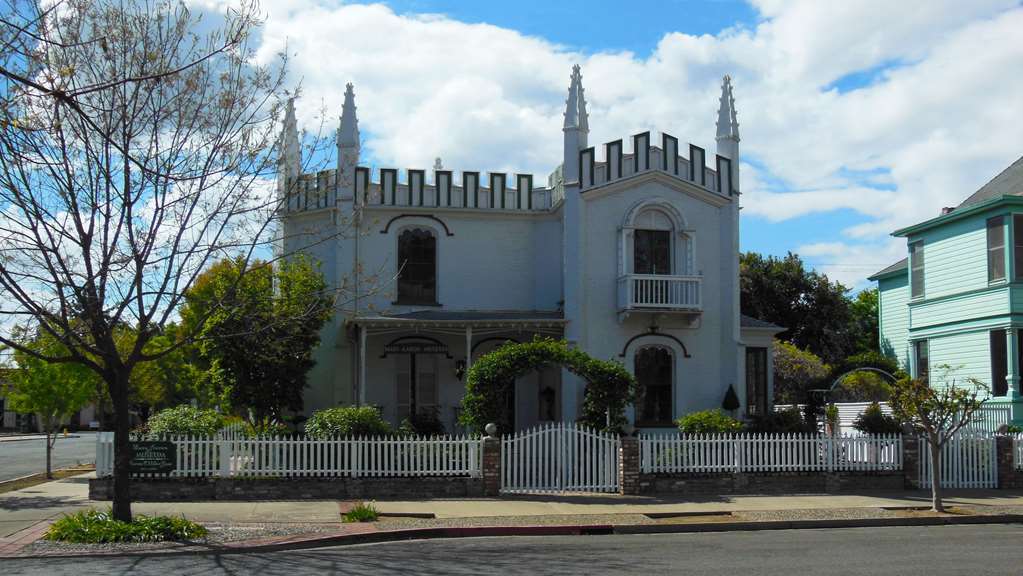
(937, 123)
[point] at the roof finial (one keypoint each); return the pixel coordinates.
(437, 165)
(575, 106)
(348, 133)
(728, 125)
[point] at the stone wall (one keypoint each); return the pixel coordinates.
(244, 489)
(768, 483)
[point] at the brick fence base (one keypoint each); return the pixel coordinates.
(199, 489)
(767, 483)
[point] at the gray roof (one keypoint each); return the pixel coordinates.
(1008, 183)
(751, 322)
(900, 265)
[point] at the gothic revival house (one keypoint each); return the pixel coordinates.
(631, 256)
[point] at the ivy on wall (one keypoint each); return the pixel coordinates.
(609, 386)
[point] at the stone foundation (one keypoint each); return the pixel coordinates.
(242, 489)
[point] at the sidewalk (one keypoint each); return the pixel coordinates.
(25, 514)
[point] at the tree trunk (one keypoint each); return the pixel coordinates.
(50, 439)
(118, 386)
(936, 504)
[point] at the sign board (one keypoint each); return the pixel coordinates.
(158, 457)
(415, 348)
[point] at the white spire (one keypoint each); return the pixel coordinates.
(348, 133)
(575, 106)
(728, 125)
(437, 164)
(291, 153)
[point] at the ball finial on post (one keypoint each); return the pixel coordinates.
(491, 430)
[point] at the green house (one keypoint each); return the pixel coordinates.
(957, 298)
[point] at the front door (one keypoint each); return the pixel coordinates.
(416, 384)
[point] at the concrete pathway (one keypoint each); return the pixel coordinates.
(611, 504)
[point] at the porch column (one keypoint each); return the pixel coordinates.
(468, 349)
(362, 365)
(1012, 375)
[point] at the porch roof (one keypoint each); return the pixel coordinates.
(465, 318)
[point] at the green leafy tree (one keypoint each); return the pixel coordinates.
(863, 327)
(185, 420)
(814, 310)
(940, 409)
(796, 371)
(263, 340)
(54, 391)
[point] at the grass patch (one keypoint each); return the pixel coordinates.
(361, 512)
(96, 527)
(37, 479)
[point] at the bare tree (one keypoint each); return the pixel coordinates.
(137, 146)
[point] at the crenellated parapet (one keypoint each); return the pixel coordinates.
(412, 187)
(647, 157)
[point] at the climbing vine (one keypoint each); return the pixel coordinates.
(609, 386)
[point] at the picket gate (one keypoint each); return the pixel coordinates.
(967, 461)
(559, 457)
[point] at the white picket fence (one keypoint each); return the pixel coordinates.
(967, 461)
(294, 456)
(732, 453)
(559, 457)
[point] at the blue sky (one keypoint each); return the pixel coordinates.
(856, 117)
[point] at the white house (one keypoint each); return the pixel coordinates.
(631, 256)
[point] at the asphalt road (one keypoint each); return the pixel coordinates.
(23, 457)
(930, 551)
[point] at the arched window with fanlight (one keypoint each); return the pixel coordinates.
(654, 371)
(652, 244)
(417, 266)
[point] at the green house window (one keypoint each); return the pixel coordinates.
(996, 249)
(921, 356)
(999, 363)
(1017, 245)
(916, 269)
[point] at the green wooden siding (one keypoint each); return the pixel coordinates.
(955, 257)
(893, 294)
(960, 308)
(967, 353)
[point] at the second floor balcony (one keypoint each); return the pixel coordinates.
(661, 293)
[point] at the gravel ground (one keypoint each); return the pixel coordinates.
(218, 534)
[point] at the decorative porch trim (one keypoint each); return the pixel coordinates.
(654, 332)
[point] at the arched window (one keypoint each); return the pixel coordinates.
(417, 262)
(651, 244)
(654, 370)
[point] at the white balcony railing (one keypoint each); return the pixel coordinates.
(656, 292)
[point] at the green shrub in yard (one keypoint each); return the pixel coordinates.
(361, 512)
(708, 422)
(185, 419)
(96, 527)
(346, 421)
(873, 421)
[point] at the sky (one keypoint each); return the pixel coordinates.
(856, 118)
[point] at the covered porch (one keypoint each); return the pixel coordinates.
(417, 362)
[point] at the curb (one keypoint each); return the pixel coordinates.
(376, 537)
(34, 437)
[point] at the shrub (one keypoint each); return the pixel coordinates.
(96, 527)
(708, 422)
(361, 512)
(787, 421)
(185, 419)
(1013, 429)
(425, 423)
(346, 421)
(874, 421)
(266, 427)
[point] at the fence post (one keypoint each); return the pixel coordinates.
(628, 466)
(1005, 454)
(225, 458)
(911, 458)
(491, 462)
